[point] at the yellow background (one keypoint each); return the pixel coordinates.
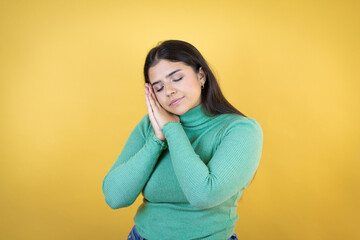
(72, 91)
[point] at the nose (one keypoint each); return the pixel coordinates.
(169, 89)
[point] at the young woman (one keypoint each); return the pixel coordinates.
(191, 156)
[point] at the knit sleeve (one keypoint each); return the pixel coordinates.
(133, 167)
(230, 169)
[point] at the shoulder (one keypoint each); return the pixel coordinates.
(144, 125)
(144, 121)
(237, 125)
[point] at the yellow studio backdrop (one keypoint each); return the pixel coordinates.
(72, 91)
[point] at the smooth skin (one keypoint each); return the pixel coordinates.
(185, 84)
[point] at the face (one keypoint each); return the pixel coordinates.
(174, 80)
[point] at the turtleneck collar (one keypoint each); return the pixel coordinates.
(194, 117)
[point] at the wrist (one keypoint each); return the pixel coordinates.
(163, 140)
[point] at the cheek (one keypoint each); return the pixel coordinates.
(188, 87)
(193, 87)
(188, 84)
(160, 98)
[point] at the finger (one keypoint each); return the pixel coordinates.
(153, 102)
(154, 105)
(154, 98)
(151, 114)
(148, 106)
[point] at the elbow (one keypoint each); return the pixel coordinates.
(202, 205)
(116, 199)
(111, 203)
(203, 202)
(116, 203)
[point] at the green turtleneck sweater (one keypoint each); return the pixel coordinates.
(192, 182)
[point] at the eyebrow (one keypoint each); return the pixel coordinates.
(173, 72)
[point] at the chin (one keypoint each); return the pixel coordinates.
(174, 111)
(170, 110)
(181, 111)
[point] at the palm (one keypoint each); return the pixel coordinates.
(157, 114)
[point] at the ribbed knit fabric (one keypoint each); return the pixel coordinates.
(192, 182)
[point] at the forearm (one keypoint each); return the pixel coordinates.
(190, 170)
(126, 179)
(229, 170)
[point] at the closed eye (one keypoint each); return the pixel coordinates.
(175, 80)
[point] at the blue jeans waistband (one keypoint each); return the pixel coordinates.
(134, 235)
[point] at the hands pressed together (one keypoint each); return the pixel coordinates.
(157, 114)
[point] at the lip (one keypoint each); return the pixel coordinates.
(176, 101)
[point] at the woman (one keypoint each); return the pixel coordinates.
(191, 155)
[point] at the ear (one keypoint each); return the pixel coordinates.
(201, 75)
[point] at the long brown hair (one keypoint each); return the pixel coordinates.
(212, 98)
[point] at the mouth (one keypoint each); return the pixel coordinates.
(176, 101)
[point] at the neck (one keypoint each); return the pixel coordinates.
(194, 117)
